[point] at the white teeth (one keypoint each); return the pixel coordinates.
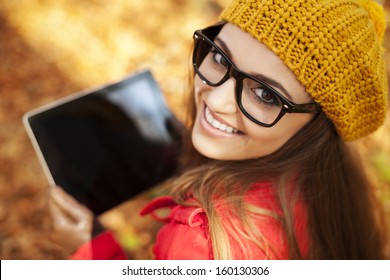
(217, 124)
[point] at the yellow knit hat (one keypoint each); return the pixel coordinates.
(334, 47)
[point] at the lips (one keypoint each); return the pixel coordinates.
(218, 124)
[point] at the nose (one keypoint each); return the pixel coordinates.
(222, 98)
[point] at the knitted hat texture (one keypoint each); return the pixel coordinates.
(334, 47)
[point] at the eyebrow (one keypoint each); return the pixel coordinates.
(261, 77)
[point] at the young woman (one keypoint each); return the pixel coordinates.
(279, 88)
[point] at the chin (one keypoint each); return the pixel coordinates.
(216, 154)
(210, 152)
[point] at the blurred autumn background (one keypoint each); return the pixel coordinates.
(51, 49)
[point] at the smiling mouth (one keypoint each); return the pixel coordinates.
(219, 125)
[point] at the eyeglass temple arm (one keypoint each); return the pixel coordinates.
(305, 108)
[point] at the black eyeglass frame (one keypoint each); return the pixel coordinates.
(208, 34)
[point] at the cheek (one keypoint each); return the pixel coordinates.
(273, 138)
(268, 140)
(199, 87)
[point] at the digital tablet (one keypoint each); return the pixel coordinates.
(106, 145)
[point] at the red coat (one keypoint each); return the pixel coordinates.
(185, 234)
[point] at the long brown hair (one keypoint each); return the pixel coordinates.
(345, 220)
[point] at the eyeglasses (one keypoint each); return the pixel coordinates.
(257, 100)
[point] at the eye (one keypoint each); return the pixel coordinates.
(218, 58)
(266, 96)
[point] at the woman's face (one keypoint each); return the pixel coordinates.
(234, 136)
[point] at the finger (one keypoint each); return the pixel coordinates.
(66, 219)
(68, 234)
(62, 197)
(58, 217)
(68, 204)
(61, 202)
(73, 213)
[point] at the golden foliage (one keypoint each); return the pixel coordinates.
(50, 49)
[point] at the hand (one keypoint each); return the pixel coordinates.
(72, 223)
